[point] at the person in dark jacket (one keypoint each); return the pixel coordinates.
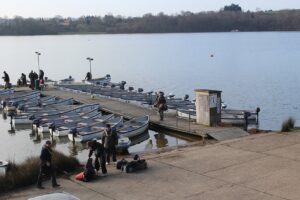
(36, 84)
(46, 166)
(23, 79)
(110, 140)
(41, 75)
(88, 76)
(98, 149)
(161, 105)
(6, 79)
(31, 77)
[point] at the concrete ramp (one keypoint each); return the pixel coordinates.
(227, 133)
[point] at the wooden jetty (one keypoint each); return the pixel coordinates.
(171, 121)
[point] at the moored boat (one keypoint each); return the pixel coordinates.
(94, 131)
(65, 129)
(134, 127)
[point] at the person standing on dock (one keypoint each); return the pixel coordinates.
(110, 140)
(88, 76)
(161, 105)
(23, 79)
(98, 149)
(41, 75)
(31, 77)
(46, 166)
(6, 80)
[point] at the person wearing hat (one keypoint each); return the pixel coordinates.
(46, 166)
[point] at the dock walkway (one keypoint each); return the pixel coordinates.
(171, 122)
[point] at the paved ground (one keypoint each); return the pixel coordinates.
(257, 167)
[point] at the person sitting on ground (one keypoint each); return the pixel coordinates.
(98, 149)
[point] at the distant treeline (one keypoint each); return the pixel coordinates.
(222, 21)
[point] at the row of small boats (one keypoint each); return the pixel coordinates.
(79, 123)
(183, 107)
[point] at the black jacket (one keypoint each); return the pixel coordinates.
(46, 155)
(6, 77)
(97, 148)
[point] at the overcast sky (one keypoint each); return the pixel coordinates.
(76, 8)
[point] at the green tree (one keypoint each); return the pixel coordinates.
(233, 7)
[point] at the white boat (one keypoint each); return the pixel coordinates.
(79, 111)
(13, 104)
(228, 116)
(24, 96)
(28, 118)
(99, 81)
(134, 127)
(8, 91)
(186, 113)
(3, 167)
(45, 105)
(55, 196)
(68, 80)
(45, 125)
(94, 131)
(65, 129)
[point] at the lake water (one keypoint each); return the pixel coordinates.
(252, 69)
(20, 142)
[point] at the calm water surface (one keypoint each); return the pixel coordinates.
(20, 142)
(252, 69)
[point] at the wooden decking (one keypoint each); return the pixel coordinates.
(171, 122)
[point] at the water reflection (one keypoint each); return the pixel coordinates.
(76, 147)
(28, 142)
(161, 140)
(149, 145)
(37, 138)
(140, 138)
(4, 115)
(12, 130)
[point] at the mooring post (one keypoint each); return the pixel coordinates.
(177, 117)
(203, 138)
(257, 113)
(189, 121)
(246, 115)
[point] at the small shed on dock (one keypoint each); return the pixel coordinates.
(208, 107)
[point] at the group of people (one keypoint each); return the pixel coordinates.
(36, 80)
(22, 81)
(102, 151)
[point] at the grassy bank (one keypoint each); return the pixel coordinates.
(26, 173)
